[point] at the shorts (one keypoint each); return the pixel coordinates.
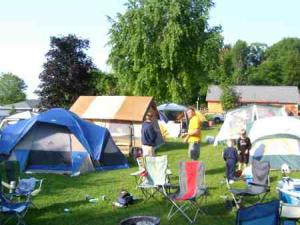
(194, 150)
(243, 157)
(148, 150)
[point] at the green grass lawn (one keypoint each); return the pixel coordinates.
(60, 192)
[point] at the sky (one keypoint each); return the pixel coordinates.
(26, 28)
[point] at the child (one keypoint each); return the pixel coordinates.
(230, 156)
(244, 146)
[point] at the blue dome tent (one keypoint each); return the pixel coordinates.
(58, 141)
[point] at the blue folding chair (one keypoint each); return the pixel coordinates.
(11, 210)
(259, 187)
(259, 214)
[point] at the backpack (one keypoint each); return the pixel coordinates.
(125, 198)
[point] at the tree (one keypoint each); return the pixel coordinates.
(239, 55)
(229, 98)
(12, 89)
(164, 49)
(66, 73)
(237, 64)
(281, 65)
(223, 73)
(256, 54)
(103, 83)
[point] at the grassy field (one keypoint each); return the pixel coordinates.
(60, 192)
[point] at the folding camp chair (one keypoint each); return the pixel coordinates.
(11, 173)
(156, 176)
(28, 188)
(259, 214)
(12, 210)
(191, 188)
(141, 173)
(259, 187)
(289, 213)
(289, 201)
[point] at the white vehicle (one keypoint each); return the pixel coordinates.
(218, 118)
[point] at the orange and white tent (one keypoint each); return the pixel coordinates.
(122, 115)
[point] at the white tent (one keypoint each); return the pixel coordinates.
(288, 126)
(277, 140)
(171, 107)
(243, 118)
(16, 117)
(22, 115)
(174, 113)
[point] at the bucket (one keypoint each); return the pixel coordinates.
(136, 220)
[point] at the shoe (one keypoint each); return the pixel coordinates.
(231, 181)
(117, 204)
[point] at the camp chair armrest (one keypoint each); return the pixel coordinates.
(41, 182)
(137, 173)
(169, 172)
(36, 192)
(260, 185)
(8, 186)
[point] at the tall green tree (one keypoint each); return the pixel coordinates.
(103, 83)
(12, 89)
(229, 97)
(164, 48)
(225, 69)
(281, 65)
(239, 54)
(238, 64)
(66, 73)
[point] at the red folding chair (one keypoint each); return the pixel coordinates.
(191, 189)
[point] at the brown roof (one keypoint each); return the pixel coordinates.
(81, 104)
(109, 108)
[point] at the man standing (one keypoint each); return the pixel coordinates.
(193, 136)
(149, 135)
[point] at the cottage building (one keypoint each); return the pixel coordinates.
(287, 96)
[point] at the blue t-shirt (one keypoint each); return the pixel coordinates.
(148, 134)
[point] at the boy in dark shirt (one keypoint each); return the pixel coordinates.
(230, 156)
(244, 146)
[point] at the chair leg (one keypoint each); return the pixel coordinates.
(236, 201)
(180, 209)
(149, 193)
(20, 220)
(261, 199)
(183, 208)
